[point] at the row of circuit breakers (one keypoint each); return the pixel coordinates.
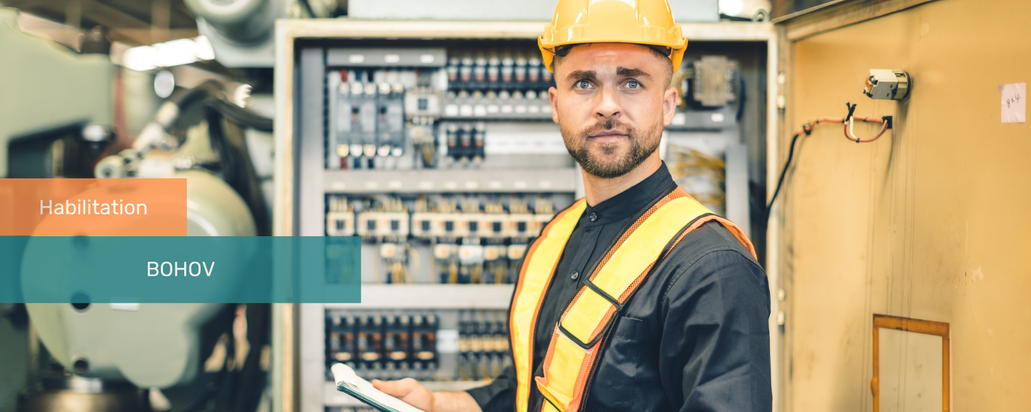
(473, 241)
(377, 114)
(400, 345)
(442, 219)
(421, 102)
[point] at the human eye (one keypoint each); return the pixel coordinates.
(633, 84)
(582, 84)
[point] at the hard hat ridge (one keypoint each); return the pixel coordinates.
(645, 22)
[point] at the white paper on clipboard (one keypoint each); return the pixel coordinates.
(350, 383)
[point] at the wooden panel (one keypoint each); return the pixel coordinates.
(928, 222)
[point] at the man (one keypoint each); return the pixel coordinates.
(634, 298)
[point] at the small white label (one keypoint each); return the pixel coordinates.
(451, 110)
(356, 58)
(426, 185)
(450, 185)
(479, 110)
(394, 184)
(519, 184)
(494, 184)
(426, 58)
(465, 110)
(520, 109)
(1014, 102)
(447, 341)
(392, 58)
(471, 185)
(493, 108)
(717, 117)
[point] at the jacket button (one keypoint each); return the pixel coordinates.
(593, 216)
(575, 275)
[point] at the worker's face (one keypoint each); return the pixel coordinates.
(611, 102)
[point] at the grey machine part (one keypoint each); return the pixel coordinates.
(146, 344)
(114, 349)
(47, 88)
(684, 11)
(240, 31)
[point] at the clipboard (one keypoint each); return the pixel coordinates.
(350, 383)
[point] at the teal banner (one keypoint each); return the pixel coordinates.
(180, 269)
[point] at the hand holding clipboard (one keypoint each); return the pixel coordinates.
(350, 383)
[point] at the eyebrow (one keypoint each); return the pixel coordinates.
(620, 71)
(629, 72)
(583, 75)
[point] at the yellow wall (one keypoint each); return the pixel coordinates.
(933, 221)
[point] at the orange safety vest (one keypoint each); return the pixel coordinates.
(579, 334)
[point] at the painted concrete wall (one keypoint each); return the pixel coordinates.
(933, 221)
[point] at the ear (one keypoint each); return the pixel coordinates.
(553, 99)
(669, 105)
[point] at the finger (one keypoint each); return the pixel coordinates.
(393, 388)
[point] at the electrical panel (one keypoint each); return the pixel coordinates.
(442, 156)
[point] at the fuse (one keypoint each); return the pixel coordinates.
(533, 70)
(342, 338)
(507, 67)
(452, 69)
(480, 70)
(465, 141)
(370, 339)
(479, 136)
(494, 71)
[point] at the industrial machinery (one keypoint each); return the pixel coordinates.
(116, 356)
(34, 71)
(435, 144)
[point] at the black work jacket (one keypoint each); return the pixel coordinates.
(694, 337)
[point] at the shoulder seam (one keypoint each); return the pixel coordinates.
(683, 270)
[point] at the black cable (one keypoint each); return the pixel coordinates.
(741, 97)
(242, 116)
(212, 388)
(787, 164)
(209, 88)
(724, 16)
(224, 148)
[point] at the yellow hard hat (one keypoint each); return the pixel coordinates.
(645, 22)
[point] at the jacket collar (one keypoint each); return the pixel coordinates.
(630, 201)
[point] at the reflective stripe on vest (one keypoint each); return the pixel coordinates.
(579, 334)
(540, 265)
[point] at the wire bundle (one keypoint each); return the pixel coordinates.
(807, 129)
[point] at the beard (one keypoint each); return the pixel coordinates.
(610, 160)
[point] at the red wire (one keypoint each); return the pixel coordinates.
(808, 127)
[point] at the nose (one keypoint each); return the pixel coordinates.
(608, 105)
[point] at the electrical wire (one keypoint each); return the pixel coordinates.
(414, 256)
(807, 129)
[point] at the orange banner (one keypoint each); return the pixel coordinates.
(92, 207)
